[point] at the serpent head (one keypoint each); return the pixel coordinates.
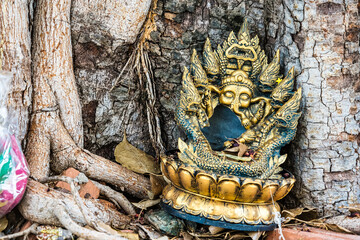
(191, 101)
(287, 116)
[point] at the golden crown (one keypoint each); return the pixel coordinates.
(238, 60)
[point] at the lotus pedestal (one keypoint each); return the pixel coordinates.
(231, 202)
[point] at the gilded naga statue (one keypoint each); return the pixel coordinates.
(238, 112)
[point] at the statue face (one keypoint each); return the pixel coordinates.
(235, 97)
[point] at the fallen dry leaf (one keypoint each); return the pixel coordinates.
(135, 159)
(157, 185)
(308, 216)
(144, 204)
(337, 228)
(305, 214)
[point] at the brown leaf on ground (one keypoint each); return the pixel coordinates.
(299, 213)
(344, 223)
(135, 159)
(337, 228)
(308, 217)
(157, 185)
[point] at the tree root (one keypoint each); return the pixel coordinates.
(39, 203)
(116, 197)
(60, 209)
(64, 218)
(48, 127)
(88, 216)
(26, 232)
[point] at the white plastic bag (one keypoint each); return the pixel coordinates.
(14, 171)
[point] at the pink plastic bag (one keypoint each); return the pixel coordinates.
(14, 171)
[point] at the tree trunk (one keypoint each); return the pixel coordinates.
(15, 57)
(48, 132)
(326, 153)
(55, 131)
(321, 40)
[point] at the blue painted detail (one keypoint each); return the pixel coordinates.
(224, 126)
(222, 224)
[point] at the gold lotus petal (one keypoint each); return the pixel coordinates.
(228, 188)
(180, 199)
(252, 181)
(193, 205)
(215, 209)
(251, 213)
(248, 193)
(285, 187)
(166, 190)
(205, 184)
(267, 193)
(173, 175)
(281, 192)
(266, 213)
(275, 207)
(233, 212)
(187, 178)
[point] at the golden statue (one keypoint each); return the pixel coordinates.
(238, 113)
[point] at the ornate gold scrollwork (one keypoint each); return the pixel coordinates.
(246, 174)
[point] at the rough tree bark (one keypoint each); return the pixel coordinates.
(103, 35)
(321, 40)
(55, 131)
(42, 201)
(48, 132)
(56, 126)
(15, 43)
(325, 56)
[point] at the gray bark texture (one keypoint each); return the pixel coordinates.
(56, 118)
(103, 33)
(15, 56)
(319, 38)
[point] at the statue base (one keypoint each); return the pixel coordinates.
(239, 203)
(202, 220)
(218, 212)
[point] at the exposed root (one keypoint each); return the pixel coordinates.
(139, 63)
(88, 216)
(54, 137)
(60, 208)
(64, 218)
(56, 133)
(40, 201)
(118, 198)
(26, 232)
